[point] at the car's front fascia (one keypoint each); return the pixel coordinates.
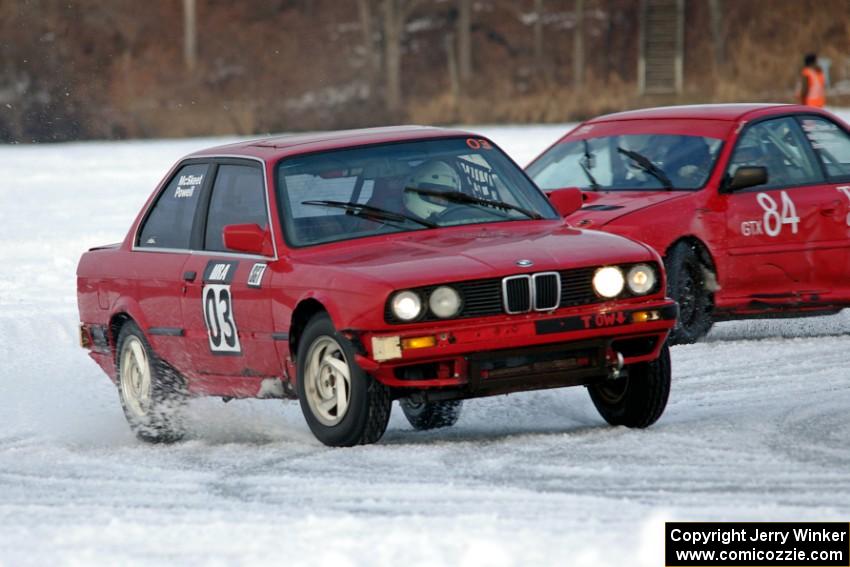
(576, 343)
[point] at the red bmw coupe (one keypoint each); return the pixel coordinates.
(350, 269)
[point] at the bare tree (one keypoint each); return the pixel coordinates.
(190, 34)
(454, 75)
(464, 40)
(538, 35)
(395, 15)
(716, 17)
(578, 46)
(373, 57)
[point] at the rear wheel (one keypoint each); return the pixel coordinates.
(431, 415)
(342, 404)
(152, 395)
(687, 283)
(637, 399)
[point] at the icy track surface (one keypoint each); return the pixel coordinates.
(757, 429)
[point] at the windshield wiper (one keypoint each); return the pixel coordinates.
(370, 212)
(459, 197)
(646, 165)
(588, 159)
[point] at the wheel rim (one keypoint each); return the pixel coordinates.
(327, 381)
(135, 376)
(613, 392)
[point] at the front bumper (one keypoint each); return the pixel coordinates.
(569, 347)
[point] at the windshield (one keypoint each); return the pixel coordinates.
(345, 194)
(639, 162)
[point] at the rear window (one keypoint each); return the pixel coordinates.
(831, 144)
(169, 223)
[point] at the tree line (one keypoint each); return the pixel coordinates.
(73, 69)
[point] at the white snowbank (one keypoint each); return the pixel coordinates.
(756, 429)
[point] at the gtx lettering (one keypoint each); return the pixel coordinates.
(751, 228)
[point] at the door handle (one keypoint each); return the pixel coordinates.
(190, 276)
(830, 209)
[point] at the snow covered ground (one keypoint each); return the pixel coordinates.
(757, 429)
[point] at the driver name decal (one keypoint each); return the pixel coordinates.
(186, 186)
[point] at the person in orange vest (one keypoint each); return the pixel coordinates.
(813, 87)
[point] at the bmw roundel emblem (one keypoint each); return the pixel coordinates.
(524, 263)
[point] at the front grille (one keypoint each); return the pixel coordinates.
(547, 291)
(517, 294)
(577, 287)
(496, 296)
(480, 297)
(540, 292)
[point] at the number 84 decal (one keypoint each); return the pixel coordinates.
(774, 218)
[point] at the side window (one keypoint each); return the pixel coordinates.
(238, 197)
(778, 145)
(831, 144)
(169, 224)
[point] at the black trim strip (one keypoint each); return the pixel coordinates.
(166, 331)
(280, 336)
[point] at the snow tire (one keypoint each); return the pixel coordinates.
(688, 283)
(369, 403)
(153, 395)
(637, 399)
(431, 415)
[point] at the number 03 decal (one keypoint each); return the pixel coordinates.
(477, 144)
(773, 219)
(218, 315)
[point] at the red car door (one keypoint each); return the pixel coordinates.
(159, 254)
(227, 303)
(775, 237)
(831, 144)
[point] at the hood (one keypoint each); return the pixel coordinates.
(462, 253)
(602, 207)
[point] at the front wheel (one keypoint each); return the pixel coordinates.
(152, 395)
(688, 283)
(343, 405)
(637, 399)
(431, 415)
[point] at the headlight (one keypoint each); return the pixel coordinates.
(406, 305)
(608, 281)
(641, 279)
(444, 302)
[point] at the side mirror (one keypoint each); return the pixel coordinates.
(248, 238)
(746, 176)
(566, 201)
